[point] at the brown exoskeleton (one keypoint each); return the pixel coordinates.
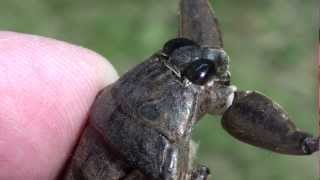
(140, 126)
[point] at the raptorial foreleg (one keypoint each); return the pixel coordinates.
(255, 119)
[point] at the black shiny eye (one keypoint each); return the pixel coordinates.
(200, 71)
(177, 43)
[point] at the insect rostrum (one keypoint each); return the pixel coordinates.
(140, 126)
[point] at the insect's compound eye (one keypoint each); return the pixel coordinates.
(177, 43)
(199, 71)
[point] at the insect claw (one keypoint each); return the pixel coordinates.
(200, 173)
(310, 145)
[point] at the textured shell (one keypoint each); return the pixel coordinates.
(143, 113)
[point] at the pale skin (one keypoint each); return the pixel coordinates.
(46, 89)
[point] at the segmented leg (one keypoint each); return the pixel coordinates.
(255, 119)
(200, 173)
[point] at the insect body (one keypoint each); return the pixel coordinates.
(140, 127)
(147, 116)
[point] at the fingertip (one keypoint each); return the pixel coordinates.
(47, 88)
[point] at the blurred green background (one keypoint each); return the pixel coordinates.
(272, 45)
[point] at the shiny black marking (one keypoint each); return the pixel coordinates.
(200, 71)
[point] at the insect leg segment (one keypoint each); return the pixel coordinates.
(310, 145)
(257, 120)
(200, 173)
(170, 164)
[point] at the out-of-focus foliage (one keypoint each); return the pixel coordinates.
(271, 44)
